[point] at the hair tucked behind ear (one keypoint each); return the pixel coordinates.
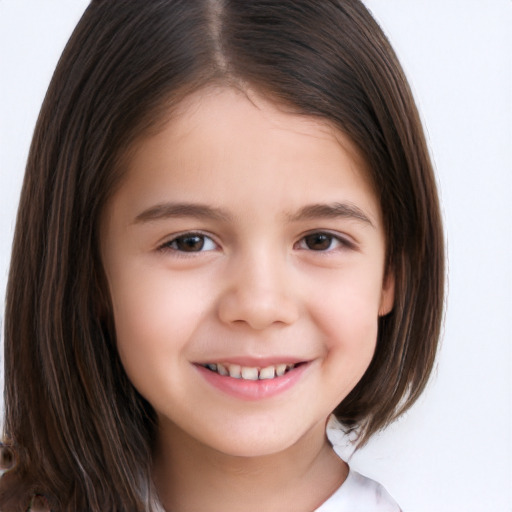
(80, 434)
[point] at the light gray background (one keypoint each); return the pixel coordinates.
(452, 452)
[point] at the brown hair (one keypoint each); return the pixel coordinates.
(78, 431)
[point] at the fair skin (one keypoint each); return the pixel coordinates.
(246, 238)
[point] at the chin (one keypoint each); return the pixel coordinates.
(260, 442)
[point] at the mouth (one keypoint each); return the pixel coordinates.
(251, 373)
(251, 380)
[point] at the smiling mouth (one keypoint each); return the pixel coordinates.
(236, 371)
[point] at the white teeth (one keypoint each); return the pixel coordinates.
(280, 370)
(235, 371)
(248, 372)
(267, 373)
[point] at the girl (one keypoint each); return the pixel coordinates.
(228, 230)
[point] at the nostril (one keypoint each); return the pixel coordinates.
(258, 310)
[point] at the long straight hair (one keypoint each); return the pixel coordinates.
(77, 430)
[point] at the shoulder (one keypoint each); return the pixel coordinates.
(360, 494)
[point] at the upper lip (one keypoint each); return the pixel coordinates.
(255, 362)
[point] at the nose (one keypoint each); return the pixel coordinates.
(259, 293)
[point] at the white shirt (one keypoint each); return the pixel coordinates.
(359, 494)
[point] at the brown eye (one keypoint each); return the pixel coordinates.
(318, 241)
(191, 242)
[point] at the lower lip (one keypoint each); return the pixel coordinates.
(253, 389)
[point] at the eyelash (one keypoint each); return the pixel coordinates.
(330, 238)
(342, 242)
(171, 245)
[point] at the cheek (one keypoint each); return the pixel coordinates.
(351, 338)
(154, 319)
(347, 311)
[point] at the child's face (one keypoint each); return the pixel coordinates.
(245, 236)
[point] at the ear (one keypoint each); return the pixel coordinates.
(387, 298)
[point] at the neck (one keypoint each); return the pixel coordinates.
(190, 476)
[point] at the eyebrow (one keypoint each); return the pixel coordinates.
(331, 211)
(164, 211)
(171, 210)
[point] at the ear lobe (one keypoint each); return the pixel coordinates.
(387, 298)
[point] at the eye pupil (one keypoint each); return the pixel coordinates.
(190, 243)
(318, 241)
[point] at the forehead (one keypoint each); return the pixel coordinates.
(223, 137)
(214, 106)
(257, 111)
